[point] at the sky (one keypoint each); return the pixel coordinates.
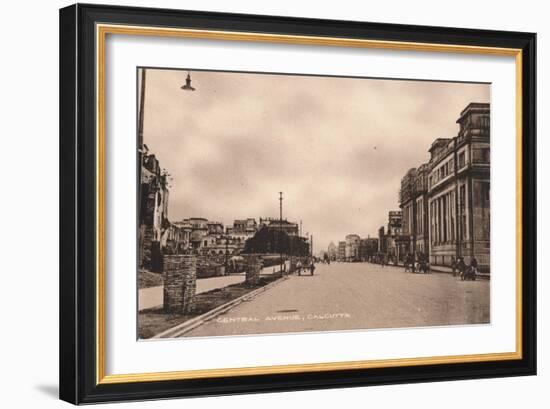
(336, 147)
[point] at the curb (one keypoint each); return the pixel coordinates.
(193, 323)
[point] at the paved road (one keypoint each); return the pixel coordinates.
(356, 296)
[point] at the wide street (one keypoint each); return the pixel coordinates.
(344, 296)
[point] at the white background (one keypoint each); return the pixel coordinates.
(28, 243)
(125, 355)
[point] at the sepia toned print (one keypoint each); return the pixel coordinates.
(279, 203)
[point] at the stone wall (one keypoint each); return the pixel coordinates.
(145, 240)
(180, 282)
(253, 267)
(209, 266)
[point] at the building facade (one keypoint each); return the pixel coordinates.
(413, 200)
(368, 248)
(153, 212)
(341, 251)
(332, 251)
(421, 239)
(351, 252)
(396, 244)
(459, 191)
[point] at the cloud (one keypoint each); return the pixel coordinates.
(336, 147)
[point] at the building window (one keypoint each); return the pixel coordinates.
(461, 160)
(484, 121)
(486, 155)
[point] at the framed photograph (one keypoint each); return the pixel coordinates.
(257, 203)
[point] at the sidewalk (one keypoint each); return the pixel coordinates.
(154, 296)
(448, 270)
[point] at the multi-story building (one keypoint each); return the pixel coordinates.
(420, 239)
(414, 206)
(392, 242)
(153, 212)
(341, 250)
(199, 236)
(215, 228)
(332, 251)
(407, 202)
(395, 220)
(459, 191)
(351, 252)
(368, 248)
(242, 230)
(179, 239)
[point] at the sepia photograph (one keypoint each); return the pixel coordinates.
(292, 203)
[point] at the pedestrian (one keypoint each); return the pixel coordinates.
(473, 265)
(312, 267)
(461, 267)
(453, 265)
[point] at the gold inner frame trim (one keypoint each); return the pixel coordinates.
(101, 33)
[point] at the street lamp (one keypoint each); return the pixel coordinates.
(187, 86)
(281, 230)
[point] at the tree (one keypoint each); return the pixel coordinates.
(272, 240)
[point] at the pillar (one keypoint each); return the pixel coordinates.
(180, 283)
(253, 266)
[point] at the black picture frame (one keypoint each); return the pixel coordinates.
(78, 297)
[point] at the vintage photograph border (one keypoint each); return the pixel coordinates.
(83, 188)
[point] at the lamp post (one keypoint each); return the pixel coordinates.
(225, 237)
(281, 229)
(187, 86)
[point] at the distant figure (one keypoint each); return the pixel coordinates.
(312, 267)
(407, 263)
(461, 267)
(473, 267)
(299, 267)
(423, 264)
(453, 265)
(473, 263)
